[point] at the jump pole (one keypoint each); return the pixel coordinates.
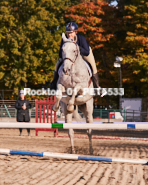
(74, 125)
(72, 156)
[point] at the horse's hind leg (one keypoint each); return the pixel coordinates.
(89, 119)
(71, 135)
(68, 119)
(89, 133)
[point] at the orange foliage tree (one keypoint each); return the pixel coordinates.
(98, 22)
(117, 31)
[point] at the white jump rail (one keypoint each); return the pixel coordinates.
(128, 125)
(72, 156)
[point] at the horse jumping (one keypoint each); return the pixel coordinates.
(74, 74)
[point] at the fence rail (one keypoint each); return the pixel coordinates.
(7, 109)
(11, 103)
(127, 116)
(136, 116)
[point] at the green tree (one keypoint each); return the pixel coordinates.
(30, 35)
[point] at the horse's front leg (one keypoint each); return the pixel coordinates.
(70, 106)
(60, 89)
(89, 119)
(68, 119)
(71, 135)
(89, 133)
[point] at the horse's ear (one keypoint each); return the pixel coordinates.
(64, 37)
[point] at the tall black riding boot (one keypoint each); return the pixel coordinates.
(95, 79)
(53, 84)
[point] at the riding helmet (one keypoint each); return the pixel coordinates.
(71, 27)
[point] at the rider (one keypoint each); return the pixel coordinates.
(85, 50)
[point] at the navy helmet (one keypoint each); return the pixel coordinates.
(71, 27)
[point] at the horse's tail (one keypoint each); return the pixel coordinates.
(76, 114)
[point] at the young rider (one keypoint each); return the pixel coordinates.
(85, 50)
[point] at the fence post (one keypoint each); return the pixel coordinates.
(43, 110)
(51, 109)
(108, 116)
(124, 114)
(141, 117)
(7, 111)
(36, 111)
(47, 106)
(40, 110)
(55, 116)
(101, 113)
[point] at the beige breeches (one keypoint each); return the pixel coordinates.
(90, 59)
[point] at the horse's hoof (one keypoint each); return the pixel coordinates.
(70, 108)
(69, 112)
(55, 109)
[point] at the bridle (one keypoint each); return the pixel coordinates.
(76, 55)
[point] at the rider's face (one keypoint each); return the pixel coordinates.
(71, 35)
(22, 96)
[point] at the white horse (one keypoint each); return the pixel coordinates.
(74, 75)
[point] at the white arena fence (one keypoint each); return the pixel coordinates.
(96, 126)
(128, 116)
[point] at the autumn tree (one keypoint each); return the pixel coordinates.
(134, 47)
(30, 35)
(117, 31)
(98, 22)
